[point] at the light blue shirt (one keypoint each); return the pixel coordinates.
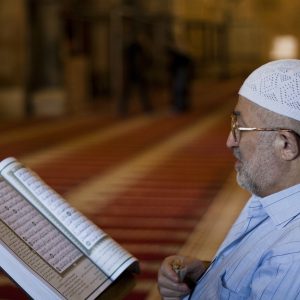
(260, 257)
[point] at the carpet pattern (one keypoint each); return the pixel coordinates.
(146, 181)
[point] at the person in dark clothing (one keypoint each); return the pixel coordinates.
(181, 73)
(136, 64)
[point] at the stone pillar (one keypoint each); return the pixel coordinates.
(116, 61)
(12, 57)
(46, 76)
(100, 55)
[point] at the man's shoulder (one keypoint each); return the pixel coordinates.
(286, 246)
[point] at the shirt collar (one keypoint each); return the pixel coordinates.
(281, 207)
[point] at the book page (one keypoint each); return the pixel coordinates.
(36, 231)
(109, 256)
(82, 232)
(44, 250)
(85, 231)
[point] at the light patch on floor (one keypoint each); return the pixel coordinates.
(98, 136)
(100, 190)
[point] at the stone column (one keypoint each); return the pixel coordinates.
(116, 61)
(100, 54)
(46, 75)
(12, 57)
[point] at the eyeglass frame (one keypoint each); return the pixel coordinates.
(234, 126)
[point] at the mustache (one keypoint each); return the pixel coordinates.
(237, 153)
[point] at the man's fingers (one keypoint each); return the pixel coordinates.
(172, 289)
(172, 294)
(170, 285)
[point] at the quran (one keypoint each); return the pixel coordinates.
(49, 248)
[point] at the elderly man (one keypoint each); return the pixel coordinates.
(260, 257)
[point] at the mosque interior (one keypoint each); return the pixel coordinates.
(157, 181)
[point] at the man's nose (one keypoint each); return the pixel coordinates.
(231, 142)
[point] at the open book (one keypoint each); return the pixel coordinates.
(47, 247)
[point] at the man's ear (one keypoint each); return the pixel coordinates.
(287, 145)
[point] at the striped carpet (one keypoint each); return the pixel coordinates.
(147, 181)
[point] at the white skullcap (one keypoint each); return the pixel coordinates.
(276, 87)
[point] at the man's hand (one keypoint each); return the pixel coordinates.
(174, 274)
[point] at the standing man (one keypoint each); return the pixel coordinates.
(260, 257)
(181, 71)
(136, 66)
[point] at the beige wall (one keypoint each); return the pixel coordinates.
(205, 10)
(158, 6)
(279, 18)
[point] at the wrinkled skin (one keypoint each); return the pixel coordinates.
(169, 283)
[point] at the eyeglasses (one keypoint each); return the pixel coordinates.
(236, 129)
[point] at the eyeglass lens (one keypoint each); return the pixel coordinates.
(234, 130)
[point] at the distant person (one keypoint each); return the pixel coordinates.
(180, 67)
(260, 257)
(136, 67)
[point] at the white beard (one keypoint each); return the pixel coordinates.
(257, 174)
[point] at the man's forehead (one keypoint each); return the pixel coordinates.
(243, 106)
(247, 111)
